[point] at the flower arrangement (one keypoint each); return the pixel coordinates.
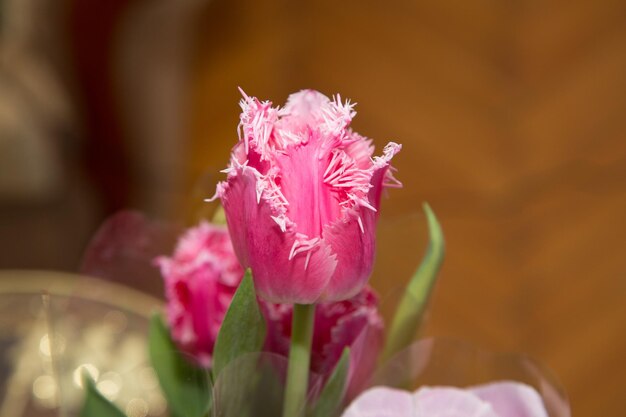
(269, 311)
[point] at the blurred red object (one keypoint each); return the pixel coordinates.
(124, 248)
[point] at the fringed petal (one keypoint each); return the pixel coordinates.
(266, 245)
(353, 241)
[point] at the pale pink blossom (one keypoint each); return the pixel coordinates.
(302, 196)
(498, 399)
(200, 281)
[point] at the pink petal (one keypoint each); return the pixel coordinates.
(193, 313)
(382, 402)
(512, 399)
(303, 109)
(311, 203)
(364, 353)
(354, 247)
(261, 245)
(200, 280)
(450, 402)
(361, 150)
(353, 323)
(382, 173)
(353, 238)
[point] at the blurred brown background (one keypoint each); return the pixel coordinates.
(511, 113)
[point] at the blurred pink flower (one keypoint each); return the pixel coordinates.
(499, 399)
(353, 323)
(302, 197)
(200, 281)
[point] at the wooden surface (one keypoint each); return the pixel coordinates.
(513, 120)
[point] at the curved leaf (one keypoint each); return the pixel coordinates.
(409, 314)
(96, 405)
(185, 386)
(243, 329)
(333, 393)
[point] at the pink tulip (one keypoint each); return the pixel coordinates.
(499, 399)
(200, 281)
(302, 197)
(353, 323)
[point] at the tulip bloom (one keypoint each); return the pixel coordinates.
(200, 281)
(500, 399)
(353, 323)
(302, 197)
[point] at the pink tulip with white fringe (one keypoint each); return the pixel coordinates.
(302, 196)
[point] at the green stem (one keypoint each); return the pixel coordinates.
(299, 360)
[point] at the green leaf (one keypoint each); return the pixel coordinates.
(186, 387)
(410, 312)
(332, 395)
(243, 328)
(95, 404)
